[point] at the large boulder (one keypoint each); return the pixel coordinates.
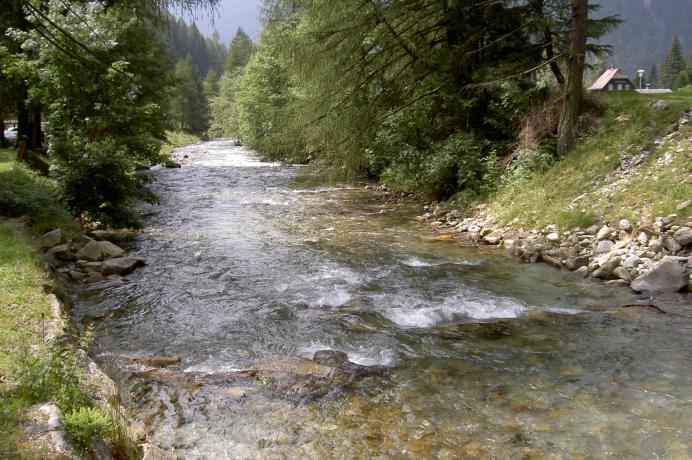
(667, 276)
(99, 250)
(683, 236)
(52, 238)
(61, 252)
(120, 266)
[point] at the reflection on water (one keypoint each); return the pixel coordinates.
(483, 356)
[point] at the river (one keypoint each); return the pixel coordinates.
(459, 351)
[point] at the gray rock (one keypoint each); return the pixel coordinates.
(109, 250)
(665, 277)
(553, 237)
(171, 164)
(625, 225)
(683, 236)
(52, 238)
(583, 271)
(98, 250)
(492, 238)
(61, 252)
(631, 261)
(655, 245)
(660, 104)
(593, 229)
(606, 271)
(604, 246)
(94, 277)
(90, 252)
(78, 276)
(622, 273)
(642, 238)
(671, 245)
(574, 263)
(120, 266)
(603, 233)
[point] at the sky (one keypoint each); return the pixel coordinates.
(230, 15)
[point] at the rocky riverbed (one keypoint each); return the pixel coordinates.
(651, 257)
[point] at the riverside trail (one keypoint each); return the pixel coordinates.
(422, 348)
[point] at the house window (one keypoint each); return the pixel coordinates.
(610, 86)
(620, 86)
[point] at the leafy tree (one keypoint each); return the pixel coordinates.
(97, 73)
(223, 108)
(673, 63)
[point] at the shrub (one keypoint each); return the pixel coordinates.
(526, 163)
(86, 422)
(99, 182)
(23, 192)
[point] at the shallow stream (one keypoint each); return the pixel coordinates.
(463, 352)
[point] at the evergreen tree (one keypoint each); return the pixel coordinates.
(673, 63)
(653, 77)
(188, 105)
(210, 85)
(240, 51)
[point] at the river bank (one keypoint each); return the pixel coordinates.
(651, 258)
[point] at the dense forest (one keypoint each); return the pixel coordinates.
(424, 95)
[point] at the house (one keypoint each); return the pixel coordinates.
(613, 80)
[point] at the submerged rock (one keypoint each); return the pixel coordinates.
(156, 361)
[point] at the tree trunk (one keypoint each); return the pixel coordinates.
(571, 106)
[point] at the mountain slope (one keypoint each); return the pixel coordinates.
(647, 31)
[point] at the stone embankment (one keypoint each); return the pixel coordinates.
(651, 257)
(87, 260)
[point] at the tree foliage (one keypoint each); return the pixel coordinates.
(423, 93)
(673, 63)
(97, 73)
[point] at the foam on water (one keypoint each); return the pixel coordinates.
(362, 355)
(413, 311)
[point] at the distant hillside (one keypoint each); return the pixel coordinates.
(645, 36)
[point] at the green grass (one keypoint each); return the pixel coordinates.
(23, 310)
(572, 192)
(177, 139)
(26, 193)
(7, 157)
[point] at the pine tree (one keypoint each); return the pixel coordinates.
(673, 63)
(240, 51)
(653, 76)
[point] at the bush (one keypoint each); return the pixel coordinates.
(459, 162)
(86, 422)
(526, 163)
(99, 182)
(25, 193)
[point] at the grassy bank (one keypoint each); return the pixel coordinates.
(177, 139)
(31, 370)
(23, 311)
(600, 179)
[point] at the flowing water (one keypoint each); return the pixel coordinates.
(462, 352)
